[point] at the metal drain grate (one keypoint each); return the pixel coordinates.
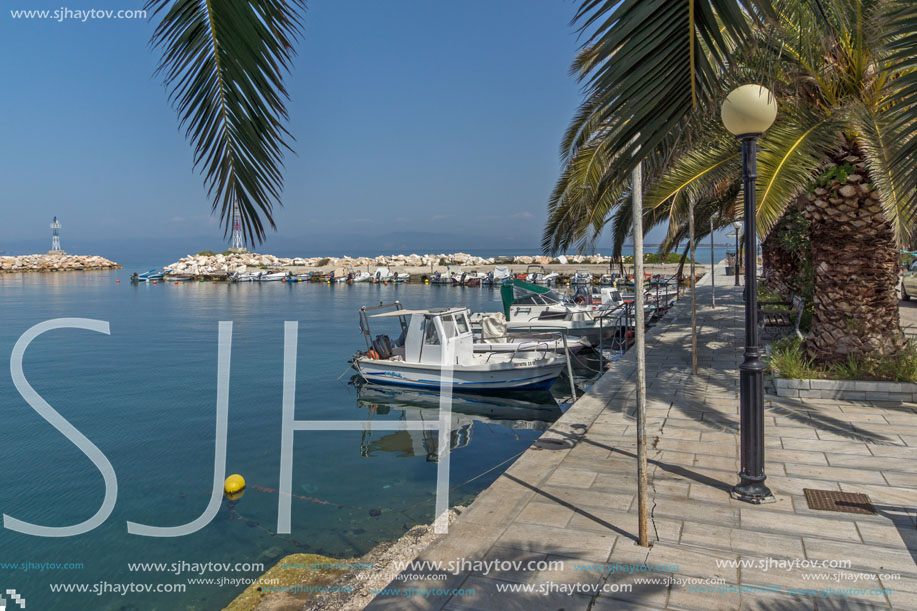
(845, 502)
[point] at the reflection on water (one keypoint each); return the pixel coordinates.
(529, 411)
(145, 396)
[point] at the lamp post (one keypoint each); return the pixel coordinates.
(747, 112)
(738, 227)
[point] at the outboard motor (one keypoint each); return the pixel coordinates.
(383, 345)
(490, 277)
(462, 279)
(350, 277)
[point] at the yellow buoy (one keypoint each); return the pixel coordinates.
(234, 484)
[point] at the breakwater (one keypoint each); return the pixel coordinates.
(55, 263)
(220, 266)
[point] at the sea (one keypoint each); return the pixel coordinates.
(145, 395)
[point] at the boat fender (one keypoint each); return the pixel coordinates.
(372, 354)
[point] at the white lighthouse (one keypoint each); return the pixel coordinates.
(238, 244)
(55, 238)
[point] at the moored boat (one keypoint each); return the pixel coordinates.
(581, 276)
(437, 346)
(533, 308)
(149, 276)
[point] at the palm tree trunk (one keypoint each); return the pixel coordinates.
(855, 258)
(785, 270)
(681, 265)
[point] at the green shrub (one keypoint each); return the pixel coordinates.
(898, 368)
(206, 253)
(323, 262)
(788, 360)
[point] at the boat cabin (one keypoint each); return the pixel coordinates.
(428, 336)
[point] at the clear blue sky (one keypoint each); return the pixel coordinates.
(423, 115)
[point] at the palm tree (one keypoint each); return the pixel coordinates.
(845, 74)
(224, 63)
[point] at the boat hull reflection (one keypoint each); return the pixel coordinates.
(529, 411)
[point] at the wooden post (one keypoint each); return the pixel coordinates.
(693, 292)
(642, 502)
(712, 267)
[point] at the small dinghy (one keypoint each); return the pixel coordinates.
(437, 346)
(497, 276)
(274, 276)
(382, 275)
(149, 276)
(581, 276)
(249, 277)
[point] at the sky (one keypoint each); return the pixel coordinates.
(418, 118)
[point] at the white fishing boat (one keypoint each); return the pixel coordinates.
(609, 279)
(534, 274)
(345, 277)
(437, 346)
(492, 336)
(452, 273)
(382, 275)
(533, 308)
(245, 277)
(581, 276)
(497, 276)
(272, 276)
(362, 277)
(401, 277)
(468, 279)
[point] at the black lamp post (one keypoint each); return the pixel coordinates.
(738, 227)
(747, 112)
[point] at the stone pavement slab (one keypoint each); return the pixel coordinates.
(576, 504)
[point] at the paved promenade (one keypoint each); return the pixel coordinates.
(572, 497)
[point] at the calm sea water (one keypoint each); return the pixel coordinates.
(146, 395)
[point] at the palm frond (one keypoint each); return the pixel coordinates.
(655, 62)
(790, 153)
(700, 168)
(900, 101)
(880, 142)
(223, 64)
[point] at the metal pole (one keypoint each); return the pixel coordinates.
(569, 367)
(712, 267)
(642, 503)
(601, 342)
(751, 487)
(736, 259)
(693, 292)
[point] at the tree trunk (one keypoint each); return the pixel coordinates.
(855, 258)
(681, 265)
(786, 255)
(779, 266)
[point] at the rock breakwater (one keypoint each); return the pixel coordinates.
(55, 263)
(204, 264)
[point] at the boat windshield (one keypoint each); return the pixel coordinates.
(455, 324)
(549, 298)
(430, 336)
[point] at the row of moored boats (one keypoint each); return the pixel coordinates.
(524, 347)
